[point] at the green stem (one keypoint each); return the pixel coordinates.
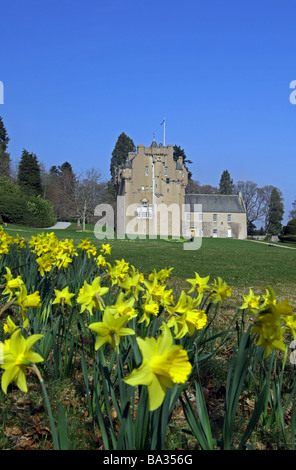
(51, 420)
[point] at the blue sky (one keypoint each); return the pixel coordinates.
(77, 74)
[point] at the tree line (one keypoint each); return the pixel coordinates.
(61, 193)
(32, 195)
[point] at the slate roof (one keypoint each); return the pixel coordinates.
(215, 202)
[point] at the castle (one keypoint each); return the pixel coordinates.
(153, 187)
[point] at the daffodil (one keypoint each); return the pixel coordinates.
(251, 301)
(101, 261)
(111, 329)
(220, 290)
(268, 326)
(131, 285)
(122, 307)
(161, 276)
(106, 249)
(198, 284)
(90, 296)
(9, 327)
(159, 292)
(283, 308)
(149, 307)
(163, 365)
(45, 262)
(17, 356)
(63, 296)
(118, 272)
(290, 322)
(11, 283)
(25, 301)
(20, 242)
(186, 317)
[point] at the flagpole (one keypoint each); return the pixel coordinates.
(163, 123)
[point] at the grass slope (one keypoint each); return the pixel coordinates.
(242, 263)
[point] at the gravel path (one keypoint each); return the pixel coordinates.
(272, 244)
(59, 225)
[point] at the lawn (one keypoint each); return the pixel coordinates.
(242, 263)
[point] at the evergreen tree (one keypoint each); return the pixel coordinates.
(292, 212)
(178, 152)
(4, 156)
(28, 177)
(275, 213)
(123, 146)
(226, 185)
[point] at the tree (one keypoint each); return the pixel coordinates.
(292, 213)
(60, 190)
(178, 152)
(28, 177)
(123, 146)
(4, 156)
(226, 185)
(89, 192)
(275, 213)
(194, 187)
(255, 201)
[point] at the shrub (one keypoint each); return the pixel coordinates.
(17, 208)
(289, 232)
(40, 211)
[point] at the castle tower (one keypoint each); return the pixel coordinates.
(152, 186)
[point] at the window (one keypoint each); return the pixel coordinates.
(188, 217)
(229, 218)
(214, 217)
(144, 211)
(146, 170)
(165, 171)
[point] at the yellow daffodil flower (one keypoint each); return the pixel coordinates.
(106, 249)
(198, 284)
(111, 329)
(20, 242)
(163, 364)
(123, 307)
(91, 295)
(149, 307)
(118, 272)
(290, 322)
(159, 292)
(161, 276)
(25, 301)
(11, 283)
(251, 301)
(186, 317)
(17, 356)
(101, 261)
(9, 327)
(220, 290)
(131, 285)
(63, 296)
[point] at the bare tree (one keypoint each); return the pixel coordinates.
(254, 199)
(89, 192)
